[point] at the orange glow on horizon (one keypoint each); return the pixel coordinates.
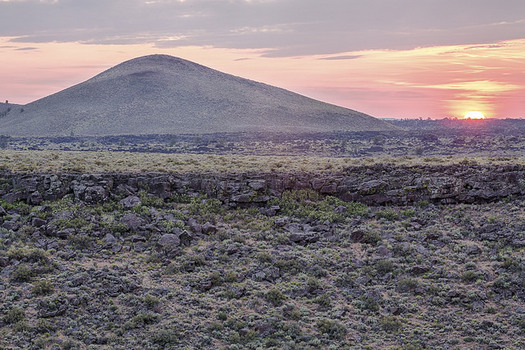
(474, 115)
(435, 82)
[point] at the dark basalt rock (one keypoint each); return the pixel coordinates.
(374, 185)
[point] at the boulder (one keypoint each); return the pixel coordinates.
(130, 202)
(132, 221)
(169, 241)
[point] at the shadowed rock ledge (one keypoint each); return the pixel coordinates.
(372, 185)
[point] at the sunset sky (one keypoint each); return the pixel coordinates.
(387, 58)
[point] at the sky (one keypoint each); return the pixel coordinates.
(387, 58)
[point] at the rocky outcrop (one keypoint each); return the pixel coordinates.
(373, 185)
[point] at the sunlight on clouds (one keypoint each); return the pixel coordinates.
(460, 78)
(486, 86)
(424, 82)
(263, 29)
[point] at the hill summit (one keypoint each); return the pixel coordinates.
(160, 94)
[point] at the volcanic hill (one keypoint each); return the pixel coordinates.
(161, 94)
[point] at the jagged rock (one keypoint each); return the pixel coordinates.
(116, 248)
(110, 239)
(384, 252)
(63, 215)
(65, 233)
(38, 222)
(185, 237)
(46, 313)
(209, 229)
(194, 226)
(132, 221)
(281, 221)
(257, 185)
(14, 196)
(136, 238)
(130, 202)
(419, 269)
(329, 188)
(293, 227)
(357, 236)
(303, 237)
(416, 225)
(518, 243)
(372, 187)
(169, 241)
(96, 194)
(267, 274)
(11, 225)
(35, 198)
(232, 249)
(472, 249)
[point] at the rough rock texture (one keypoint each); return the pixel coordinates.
(303, 271)
(374, 185)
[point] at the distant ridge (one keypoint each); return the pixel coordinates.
(161, 94)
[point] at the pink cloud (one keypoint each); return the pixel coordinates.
(432, 82)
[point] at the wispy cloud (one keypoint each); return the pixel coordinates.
(283, 27)
(387, 58)
(342, 57)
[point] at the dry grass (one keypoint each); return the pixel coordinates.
(71, 161)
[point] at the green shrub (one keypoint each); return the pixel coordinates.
(141, 210)
(332, 329)
(142, 319)
(150, 301)
(387, 214)
(384, 266)
(79, 241)
(469, 276)
(205, 206)
(407, 284)
(43, 288)
(150, 200)
(76, 223)
(265, 257)
(22, 274)
(27, 254)
(231, 276)
(111, 206)
(20, 207)
(167, 337)
(408, 213)
(118, 227)
(275, 297)
(181, 198)
(310, 204)
(288, 265)
(14, 315)
(369, 303)
(391, 324)
(372, 237)
(323, 301)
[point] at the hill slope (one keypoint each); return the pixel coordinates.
(161, 94)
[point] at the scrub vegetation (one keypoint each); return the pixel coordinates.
(128, 262)
(304, 271)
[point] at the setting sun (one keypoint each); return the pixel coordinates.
(474, 115)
